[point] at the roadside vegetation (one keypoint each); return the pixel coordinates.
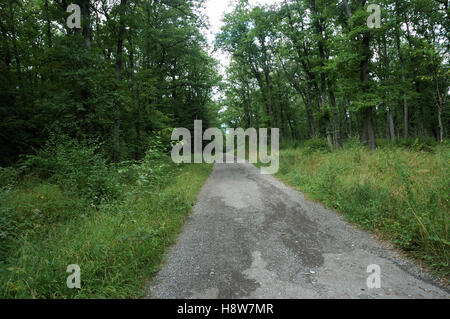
(85, 121)
(399, 191)
(66, 205)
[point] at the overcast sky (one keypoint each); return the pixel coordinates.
(215, 9)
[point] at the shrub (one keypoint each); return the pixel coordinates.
(77, 167)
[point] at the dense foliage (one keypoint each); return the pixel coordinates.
(133, 69)
(314, 68)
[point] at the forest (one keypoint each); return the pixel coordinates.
(86, 117)
(130, 71)
(316, 69)
(311, 68)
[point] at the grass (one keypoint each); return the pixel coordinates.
(116, 223)
(119, 244)
(400, 194)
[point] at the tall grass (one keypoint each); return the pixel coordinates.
(399, 193)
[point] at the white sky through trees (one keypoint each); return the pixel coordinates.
(215, 9)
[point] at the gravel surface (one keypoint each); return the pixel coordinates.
(250, 236)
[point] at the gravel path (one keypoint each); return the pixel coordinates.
(250, 236)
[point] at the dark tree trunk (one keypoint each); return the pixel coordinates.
(116, 152)
(336, 128)
(368, 132)
(402, 63)
(391, 125)
(309, 112)
(368, 127)
(137, 112)
(421, 111)
(86, 21)
(49, 30)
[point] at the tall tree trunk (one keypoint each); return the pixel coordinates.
(402, 64)
(264, 94)
(309, 75)
(291, 128)
(405, 108)
(323, 79)
(328, 131)
(49, 29)
(421, 112)
(16, 55)
(369, 131)
(307, 100)
(309, 113)
(86, 21)
(336, 128)
(137, 112)
(391, 124)
(7, 54)
(283, 117)
(440, 104)
(348, 119)
(249, 105)
(441, 125)
(116, 152)
(273, 121)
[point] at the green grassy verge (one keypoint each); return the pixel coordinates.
(118, 244)
(400, 194)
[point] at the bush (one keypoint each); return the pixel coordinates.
(153, 169)
(77, 167)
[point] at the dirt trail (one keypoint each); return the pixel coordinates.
(250, 236)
